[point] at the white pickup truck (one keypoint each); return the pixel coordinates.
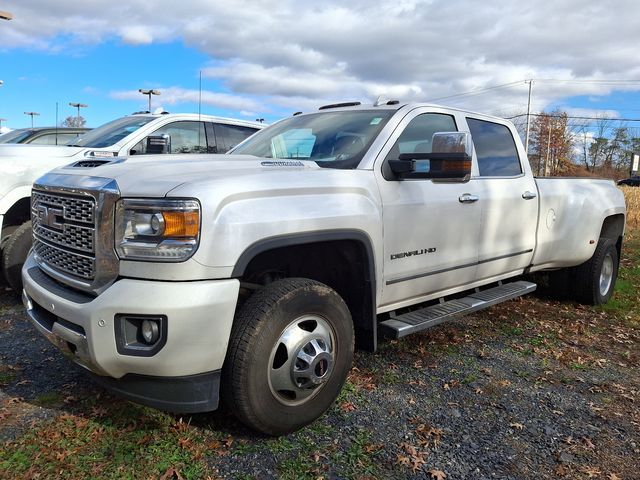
(250, 276)
(135, 134)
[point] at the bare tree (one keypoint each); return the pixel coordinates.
(74, 121)
(551, 143)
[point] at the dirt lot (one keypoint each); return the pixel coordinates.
(535, 388)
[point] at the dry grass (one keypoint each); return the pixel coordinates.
(632, 197)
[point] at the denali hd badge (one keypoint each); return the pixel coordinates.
(414, 253)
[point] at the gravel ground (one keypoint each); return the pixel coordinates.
(531, 389)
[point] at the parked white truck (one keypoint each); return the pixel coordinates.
(136, 134)
(250, 276)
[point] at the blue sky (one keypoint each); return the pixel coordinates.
(36, 80)
(271, 58)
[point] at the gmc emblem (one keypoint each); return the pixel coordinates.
(50, 217)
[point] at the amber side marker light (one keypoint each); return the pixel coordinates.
(181, 224)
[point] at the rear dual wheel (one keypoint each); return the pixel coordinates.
(290, 351)
(595, 279)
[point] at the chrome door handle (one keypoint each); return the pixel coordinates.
(529, 195)
(468, 198)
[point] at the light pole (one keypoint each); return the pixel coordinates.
(31, 114)
(2, 120)
(149, 93)
(78, 106)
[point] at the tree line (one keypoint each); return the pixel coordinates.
(562, 146)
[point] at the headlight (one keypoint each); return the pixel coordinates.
(157, 230)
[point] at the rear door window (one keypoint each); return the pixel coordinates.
(495, 149)
(53, 138)
(229, 136)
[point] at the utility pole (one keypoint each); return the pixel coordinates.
(78, 106)
(526, 139)
(547, 170)
(149, 93)
(31, 114)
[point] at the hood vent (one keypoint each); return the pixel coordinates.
(89, 163)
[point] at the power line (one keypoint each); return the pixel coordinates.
(589, 81)
(542, 80)
(482, 90)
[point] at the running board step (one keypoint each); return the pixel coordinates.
(418, 320)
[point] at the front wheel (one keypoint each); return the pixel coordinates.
(290, 352)
(14, 253)
(595, 279)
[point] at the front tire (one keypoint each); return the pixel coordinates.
(595, 279)
(14, 253)
(290, 351)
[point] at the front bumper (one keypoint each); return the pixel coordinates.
(199, 318)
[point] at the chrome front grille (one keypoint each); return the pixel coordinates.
(64, 230)
(73, 220)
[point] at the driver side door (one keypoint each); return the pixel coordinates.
(431, 228)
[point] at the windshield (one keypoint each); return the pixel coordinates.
(337, 139)
(15, 136)
(112, 132)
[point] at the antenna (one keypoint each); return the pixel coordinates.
(199, 104)
(56, 123)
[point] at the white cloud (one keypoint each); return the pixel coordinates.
(287, 54)
(136, 35)
(177, 95)
(592, 112)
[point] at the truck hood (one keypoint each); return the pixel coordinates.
(157, 175)
(39, 151)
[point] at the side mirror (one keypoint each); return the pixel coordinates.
(449, 159)
(159, 143)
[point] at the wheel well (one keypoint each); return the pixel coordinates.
(344, 265)
(612, 228)
(19, 213)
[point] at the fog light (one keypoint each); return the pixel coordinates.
(150, 331)
(140, 335)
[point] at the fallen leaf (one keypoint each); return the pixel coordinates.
(171, 474)
(347, 407)
(437, 474)
(517, 426)
(591, 472)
